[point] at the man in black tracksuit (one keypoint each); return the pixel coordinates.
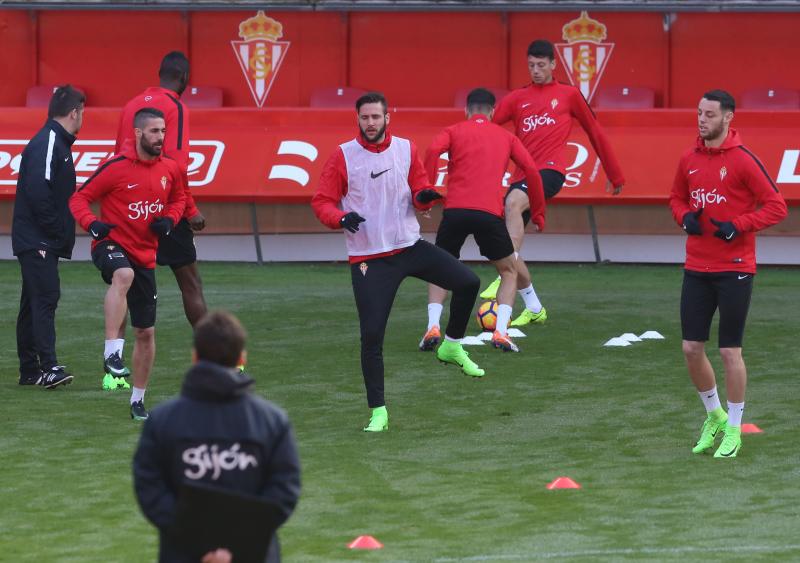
(43, 231)
(215, 418)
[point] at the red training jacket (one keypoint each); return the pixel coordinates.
(176, 139)
(728, 183)
(542, 116)
(332, 187)
(132, 193)
(478, 152)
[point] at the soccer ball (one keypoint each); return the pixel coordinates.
(487, 315)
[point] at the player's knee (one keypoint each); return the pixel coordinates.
(122, 277)
(693, 349)
(145, 335)
(730, 355)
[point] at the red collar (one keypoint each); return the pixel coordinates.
(375, 147)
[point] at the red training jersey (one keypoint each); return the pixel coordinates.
(132, 193)
(542, 116)
(176, 139)
(728, 183)
(478, 153)
(332, 187)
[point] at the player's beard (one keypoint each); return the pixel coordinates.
(712, 134)
(377, 135)
(151, 148)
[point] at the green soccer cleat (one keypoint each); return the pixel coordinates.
(379, 421)
(713, 425)
(527, 317)
(451, 352)
(491, 291)
(731, 442)
(138, 411)
(110, 383)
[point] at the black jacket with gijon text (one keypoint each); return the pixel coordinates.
(42, 220)
(216, 417)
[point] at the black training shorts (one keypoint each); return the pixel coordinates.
(109, 257)
(703, 293)
(177, 248)
(552, 182)
(488, 230)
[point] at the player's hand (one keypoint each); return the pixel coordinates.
(427, 195)
(691, 222)
(162, 226)
(198, 222)
(539, 222)
(351, 221)
(725, 230)
(220, 555)
(614, 190)
(100, 230)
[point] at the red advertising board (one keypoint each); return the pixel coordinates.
(277, 155)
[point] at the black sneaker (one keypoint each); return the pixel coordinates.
(30, 378)
(138, 412)
(114, 366)
(54, 377)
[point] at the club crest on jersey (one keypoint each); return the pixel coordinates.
(722, 173)
(553, 103)
(43, 253)
(148, 98)
(260, 54)
(363, 267)
(584, 55)
(164, 182)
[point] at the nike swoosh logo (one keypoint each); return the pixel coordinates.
(742, 277)
(94, 234)
(373, 175)
(693, 171)
(66, 159)
(525, 105)
(131, 186)
(729, 237)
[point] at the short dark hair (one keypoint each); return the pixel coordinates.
(64, 100)
(541, 48)
(173, 66)
(144, 114)
(726, 101)
(480, 99)
(372, 98)
(219, 337)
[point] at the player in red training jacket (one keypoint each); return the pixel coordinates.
(542, 114)
(478, 156)
(176, 250)
(721, 196)
(141, 199)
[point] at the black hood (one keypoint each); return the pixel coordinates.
(207, 381)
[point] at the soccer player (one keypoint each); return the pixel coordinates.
(141, 197)
(177, 249)
(479, 152)
(542, 113)
(368, 188)
(42, 231)
(721, 196)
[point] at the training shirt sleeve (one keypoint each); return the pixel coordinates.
(331, 188)
(679, 195)
(580, 109)
(155, 498)
(177, 197)
(176, 146)
(772, 207)
(99, 184)
(38, 190)
(282, 473)
(524, 161)
(503, 112)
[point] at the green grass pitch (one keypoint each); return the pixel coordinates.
(461, 474)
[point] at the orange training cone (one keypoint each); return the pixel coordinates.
(563, 483)
(365, 542)
(751, 429)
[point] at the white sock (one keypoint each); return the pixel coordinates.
(531, 300)
(735, 411)
(434, 314)
(451, 339)
(503, 316)
(710, 399)
(113, 345)
(137, 395)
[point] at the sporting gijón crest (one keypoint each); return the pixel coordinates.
(260, 54)
(584, 55)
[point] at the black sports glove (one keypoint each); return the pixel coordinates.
(100, 230)
(691, 222)
(428, 195)
(162, 226)
(351, 221)
(725, 230)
